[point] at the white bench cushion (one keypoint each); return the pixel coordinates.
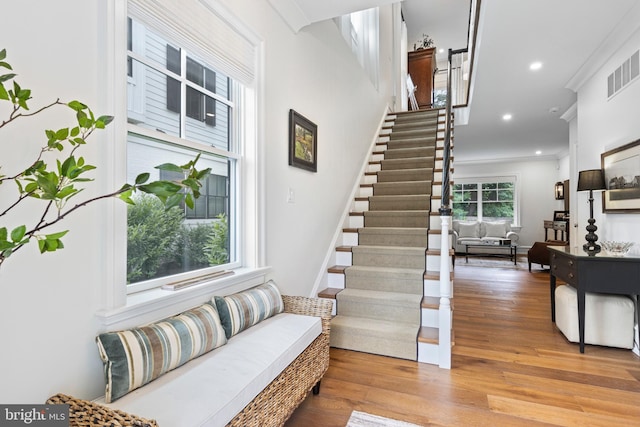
(212, 389)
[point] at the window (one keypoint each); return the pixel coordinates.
(214, 200)
(485, 200)
(361, 31)
(188, 111)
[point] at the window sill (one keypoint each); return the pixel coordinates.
(155, 304)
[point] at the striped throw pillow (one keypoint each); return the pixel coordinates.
(245, 309)
(134, 357)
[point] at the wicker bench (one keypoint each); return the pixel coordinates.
(271, 407)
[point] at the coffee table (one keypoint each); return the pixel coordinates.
(503, 245)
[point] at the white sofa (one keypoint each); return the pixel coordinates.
(257, 377)
(479, 232)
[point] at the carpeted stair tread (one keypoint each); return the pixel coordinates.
(393, 236)
(389, 279)
(389, 256)
(392, 306)
(416, 218)
(401, 187)
(375, 336)
(400, 202)
(408, 153)
(410, 163)
(418, 174)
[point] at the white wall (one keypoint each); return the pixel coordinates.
(606, 124)
(603, 125)
(535, 180)
(48, 303)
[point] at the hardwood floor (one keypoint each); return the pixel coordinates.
(510, 367)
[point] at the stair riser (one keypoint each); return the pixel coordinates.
(408, 164)
(409, 143)
(399, 189)
(391, 204)
(381, 346)
(421, 221)
(408, 153)
(390, 239)
(413, 287)
(386, 260)
(368, 309)
(405, 175)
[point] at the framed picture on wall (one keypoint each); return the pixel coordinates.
(621, 168)
(303, 142)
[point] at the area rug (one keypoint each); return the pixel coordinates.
(362, 419)
(492, 262)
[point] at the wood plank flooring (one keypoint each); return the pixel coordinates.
(511, 367)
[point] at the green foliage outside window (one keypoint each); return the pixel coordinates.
(495, 203)
(161, 243)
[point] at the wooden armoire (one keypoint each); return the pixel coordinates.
(422, 66)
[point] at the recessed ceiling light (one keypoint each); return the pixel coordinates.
(535, 66)
(538, 152)
(507, 117)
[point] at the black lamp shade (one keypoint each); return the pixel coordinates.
(592, 179)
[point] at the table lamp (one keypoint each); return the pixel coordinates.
(592, 179)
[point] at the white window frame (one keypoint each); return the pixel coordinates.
(116, 308)
(495, 179)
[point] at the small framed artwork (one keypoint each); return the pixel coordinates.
(560, 215)
(303, 142)
(621, 168)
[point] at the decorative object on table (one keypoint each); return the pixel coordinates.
(622, 179)
(424, 43)
(303, 142)
(618, 249)
(592, 179)
(559, 190)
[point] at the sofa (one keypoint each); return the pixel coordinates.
(247, 359)
(480, 232)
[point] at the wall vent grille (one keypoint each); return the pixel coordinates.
(624, 74)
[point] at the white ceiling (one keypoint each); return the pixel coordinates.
(562, 34)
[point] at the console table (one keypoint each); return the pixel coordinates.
(600, 274)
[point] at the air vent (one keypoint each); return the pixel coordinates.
(624, 74)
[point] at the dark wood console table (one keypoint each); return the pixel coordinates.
(600, 274)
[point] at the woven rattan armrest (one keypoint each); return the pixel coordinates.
(310, 307)
(83, 413)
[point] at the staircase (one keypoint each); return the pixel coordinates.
(386, 282)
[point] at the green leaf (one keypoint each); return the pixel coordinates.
(3, 93)
(18, 233)
(126, 197)
(189, 201)
(57, 235)
(170, 167)
(76, 105)
(3, 233)
(66, 192)
(5, 77)
(173, 201)
(142, 178)
(3, 54)
(62, 134)
(161, 189)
